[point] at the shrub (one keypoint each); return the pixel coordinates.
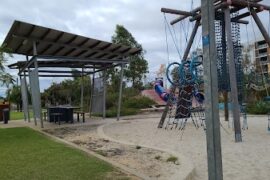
(138, 102)
(260, 107)
(130, 92)
(111, 100)
(172, 159)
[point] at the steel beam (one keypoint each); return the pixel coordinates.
(56, 75)
(28, 63)
(214, 157)
(59, 58)
(232, 74)
(55, 71)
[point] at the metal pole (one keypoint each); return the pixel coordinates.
(26, 89)
(260, 26)
(120, 92)
(214, 157)
(23, 103)
(92, 93)
(82, 86)
(191, 39)
(233, 82)
(104, 93)
(38, 98)
(32, 99)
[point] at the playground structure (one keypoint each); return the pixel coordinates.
(187, 100)
(228, 17)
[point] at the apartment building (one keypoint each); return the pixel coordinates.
(262, 61)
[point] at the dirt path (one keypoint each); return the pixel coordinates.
(153, 163)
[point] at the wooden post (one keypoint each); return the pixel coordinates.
(214, 157)
(226, 108)
(233, 82)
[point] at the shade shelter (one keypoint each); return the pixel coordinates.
(52, 53)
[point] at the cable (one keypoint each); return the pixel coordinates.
(171, 35)
(167, 46)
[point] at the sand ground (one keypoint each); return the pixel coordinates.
(248, 160)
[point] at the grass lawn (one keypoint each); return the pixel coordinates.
(14, 115)
(27, 154)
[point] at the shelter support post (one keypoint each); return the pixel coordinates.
(214, 156)
(92, 93)
(232, 74)
(260, 26)
(104, 92)
(120, 92)
(31, 94)
(26, 89)
(35, 89)
(82, 89)
(25, 114)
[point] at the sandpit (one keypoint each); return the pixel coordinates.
(247, 160)
(152, 163)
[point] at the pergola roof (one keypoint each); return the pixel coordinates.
(51, 42)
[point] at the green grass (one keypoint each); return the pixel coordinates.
(27, 154)
(172, 159)
(14, 115)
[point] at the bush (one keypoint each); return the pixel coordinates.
(111, 100)
(260, 107)
(138, 102)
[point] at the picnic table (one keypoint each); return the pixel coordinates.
(64, 113)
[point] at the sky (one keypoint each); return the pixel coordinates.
(98, 18)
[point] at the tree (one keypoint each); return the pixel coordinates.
(5, 78)
(14, 96)
(138, 66)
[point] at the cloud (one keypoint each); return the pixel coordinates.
(98, 18)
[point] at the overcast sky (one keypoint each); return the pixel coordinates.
(98, 18)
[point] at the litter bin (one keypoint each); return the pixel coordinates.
(5, 115)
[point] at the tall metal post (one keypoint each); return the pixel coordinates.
(214, 156)
(92, 92)
(37, 89)
(120, 92)
(26, 89)
(104, 93)
(233, 82)
(23, 103)
(82, 89)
